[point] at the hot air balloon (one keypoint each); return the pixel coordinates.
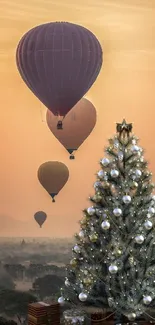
(40, 217)
(59, 62)
(53, 175)
(78, 124)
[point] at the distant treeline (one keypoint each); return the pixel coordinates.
(20, 272)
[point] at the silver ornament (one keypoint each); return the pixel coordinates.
(126, 199)
(105, 162)
(81, 234)
(131, 316)
(82, 296)
(147, 300)
(120, 155)
(139, 239)
(148, 224)
(76, 249)
(151, 210)
(67, 283)
(117, 212)
(105, 225)
(116, 144)
(61, 300)
(135, 148)
(91, 211)
(97, 184)
(138, 173)
(113, 269)
(114, 173)
(101, 174)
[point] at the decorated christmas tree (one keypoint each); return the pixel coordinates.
(113, 262)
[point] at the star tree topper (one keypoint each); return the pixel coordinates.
(123, 128)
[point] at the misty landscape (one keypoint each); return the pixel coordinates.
(31, 269)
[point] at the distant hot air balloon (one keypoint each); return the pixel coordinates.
(53, 175)
(40, 217)
(78, 124)
(59, 62)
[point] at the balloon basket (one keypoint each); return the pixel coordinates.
(59, 125)
(72, 157)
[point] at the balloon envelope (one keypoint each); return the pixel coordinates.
(59, 62)
(53, 175)
(77, 125)
(40, 217)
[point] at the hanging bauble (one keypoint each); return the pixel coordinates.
(151, 210)
(61, 300)
(135, 148)
(147, 300)
(105, 225)
(101, 174)
(113, 269)
(117, 212)
(67, 283)
(83, 296)
(91, 211)
(148, 224)
(93, 237)
(97, 185)
(74, 262)
(131, 316)
(138, 173)
(77, 249)
(105, 162)
(114, 173)
(139, 239)
(120, 155)
(126, 199)
(134, 185)
(116, 144)
(81, 234)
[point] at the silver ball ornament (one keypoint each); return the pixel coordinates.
(105, 162)
(61, 300)
(101, 174)
(97, 184)
(67, 283)
(138, 173)
(114, 173)
(117, 212)
(91, 211)
(147, 300)
(151, 210)
(76, 249)
(113, 269)
(131, 316)
(139, 239)
(105, 225)
(82, 296)
(81, 234)
(135, 148)
(148, 224)
(126, 199)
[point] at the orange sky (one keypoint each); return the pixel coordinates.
(125, 88)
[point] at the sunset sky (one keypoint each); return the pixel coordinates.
(124, 88)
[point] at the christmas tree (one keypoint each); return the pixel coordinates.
(113, 261)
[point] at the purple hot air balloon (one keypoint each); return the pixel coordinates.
(40, 217)
(59, 62)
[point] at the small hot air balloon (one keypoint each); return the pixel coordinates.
(59, 62)
(40, 217)
(78, 124)
(53, 175)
